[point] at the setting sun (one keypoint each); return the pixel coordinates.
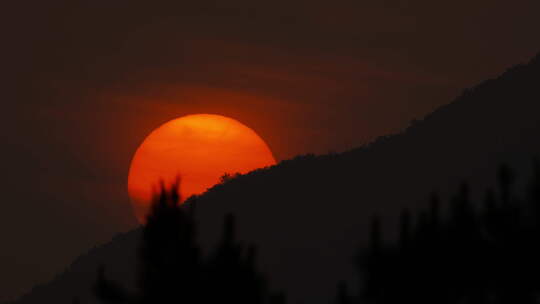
(200, 148)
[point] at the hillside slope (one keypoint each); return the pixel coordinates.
(309, 215)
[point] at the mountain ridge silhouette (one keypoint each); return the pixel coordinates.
(310, 214)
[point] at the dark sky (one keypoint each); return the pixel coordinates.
(83, 82)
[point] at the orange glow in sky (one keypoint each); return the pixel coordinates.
(199, 148)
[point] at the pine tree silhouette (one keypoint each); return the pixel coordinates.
(231, 273)
(478, 253)
(170, 258)
(173, 270)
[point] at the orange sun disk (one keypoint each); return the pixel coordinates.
(199, 148)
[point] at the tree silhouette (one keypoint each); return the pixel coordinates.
(478, 253)
(170, 258)
(173, 270)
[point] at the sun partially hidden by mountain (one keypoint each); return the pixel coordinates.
(199, 149)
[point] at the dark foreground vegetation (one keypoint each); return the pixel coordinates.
(464, 252)
(172, 269)
(479, 252)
